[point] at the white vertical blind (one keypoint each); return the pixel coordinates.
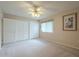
(43, 27)
(34, 29)
(47, 26)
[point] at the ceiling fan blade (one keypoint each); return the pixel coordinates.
(33, 3)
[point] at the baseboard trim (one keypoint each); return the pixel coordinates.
(62, 44)
(73, 47)
(13, 42)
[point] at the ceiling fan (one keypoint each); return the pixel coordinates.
(34, 9)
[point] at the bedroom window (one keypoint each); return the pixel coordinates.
(47, 26)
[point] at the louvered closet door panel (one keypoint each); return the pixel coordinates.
(9, 30)
(14, 30)
(21, 30)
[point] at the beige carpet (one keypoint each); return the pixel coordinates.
(34, 48)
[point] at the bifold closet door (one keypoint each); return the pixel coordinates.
(14, 30)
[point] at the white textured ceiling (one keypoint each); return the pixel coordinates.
(20, 8)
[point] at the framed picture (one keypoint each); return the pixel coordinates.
(70, 22)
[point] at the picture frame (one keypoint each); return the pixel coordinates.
(70, 22)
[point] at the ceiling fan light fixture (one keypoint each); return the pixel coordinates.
(36, 11)
(35, 14)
